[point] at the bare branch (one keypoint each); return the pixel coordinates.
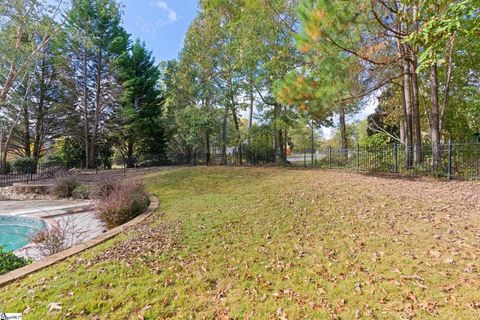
(379, 129)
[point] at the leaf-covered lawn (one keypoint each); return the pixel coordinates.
(247, 243)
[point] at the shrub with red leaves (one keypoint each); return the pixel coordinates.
(125, 201)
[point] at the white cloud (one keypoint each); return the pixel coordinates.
(165, 17)
(170, 15)
(146, 26)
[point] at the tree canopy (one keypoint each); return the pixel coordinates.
(250, 73)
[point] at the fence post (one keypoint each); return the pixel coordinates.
(304, 159)
(330, 156)
(194, 158)
(449, 169)
(395, 153)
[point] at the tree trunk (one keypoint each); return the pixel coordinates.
(85, 106)
(278, 142)
(38, 139)
(26, 126)
(3, 166)
(417, 154)
(6, 145)
(237, 128)
(407, 111)
(281, 149)
(343, 132)
(402, 131)
(207, 139)
(435, 127)
(252, 100)
(404, 54)
(130, 148)
(224, 136)
(447, 81)
(98, 109)
(12, 72)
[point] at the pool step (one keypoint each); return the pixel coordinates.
(69, 212)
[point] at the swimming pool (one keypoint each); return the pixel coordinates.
(16, 230)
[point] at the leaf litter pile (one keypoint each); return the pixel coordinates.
(251, 243)
(147, 239)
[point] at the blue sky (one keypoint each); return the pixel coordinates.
(162, 24)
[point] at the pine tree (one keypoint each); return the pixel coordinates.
(95, 40)
(141, 106)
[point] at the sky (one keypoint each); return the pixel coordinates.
(162, 24)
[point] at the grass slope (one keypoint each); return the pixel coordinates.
(277, 244)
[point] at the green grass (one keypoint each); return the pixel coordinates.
(269, 243)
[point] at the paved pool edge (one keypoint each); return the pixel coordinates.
(50, 260)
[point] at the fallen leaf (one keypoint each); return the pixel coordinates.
(53, 306)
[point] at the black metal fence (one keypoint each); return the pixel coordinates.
(51, 170)
(31, 172)
(457, 160)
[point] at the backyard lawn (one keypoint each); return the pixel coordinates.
(271, 243)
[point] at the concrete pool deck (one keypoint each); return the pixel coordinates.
(78, 217)
(48, 261)
(39, 207)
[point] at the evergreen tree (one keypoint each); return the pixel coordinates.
(95, 40)
(141, 106)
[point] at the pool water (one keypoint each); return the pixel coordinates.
(15, 231)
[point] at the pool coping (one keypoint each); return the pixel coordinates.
(38, 265)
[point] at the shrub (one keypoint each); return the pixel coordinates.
(9, 261)
(127, 200)
(61, 236)
(52, 160)
(81, 192)
(24, 165)
(71, 153)
(103, 188)
(64, 187)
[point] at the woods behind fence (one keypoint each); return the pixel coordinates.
(457, 160)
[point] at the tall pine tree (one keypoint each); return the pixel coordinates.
(141, 106)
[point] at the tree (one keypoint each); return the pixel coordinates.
(26, 28)
(95, 40)
(327, 79)
(268, 54)
(141, 105)
(19, 20)
(41, 112)
(445, 22)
